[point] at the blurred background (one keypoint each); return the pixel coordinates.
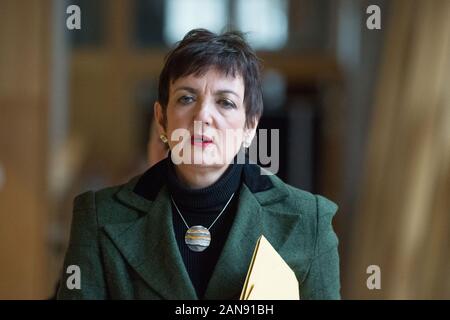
(364, 119)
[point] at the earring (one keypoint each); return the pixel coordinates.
(163, 138)
(246, 143)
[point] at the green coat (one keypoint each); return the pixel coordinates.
(125, 244)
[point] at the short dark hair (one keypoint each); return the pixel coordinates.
(200, 50)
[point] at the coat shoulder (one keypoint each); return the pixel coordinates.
(302, 201)
(106, 204)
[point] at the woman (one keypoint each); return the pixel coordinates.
(187, 227)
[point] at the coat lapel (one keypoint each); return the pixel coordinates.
(252, 220)
(229, 273)
(150, 247)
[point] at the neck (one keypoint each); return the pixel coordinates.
(199, 177)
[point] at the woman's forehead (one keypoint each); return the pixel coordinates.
(212, 79)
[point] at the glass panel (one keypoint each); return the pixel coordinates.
(183, 15)
(265, 21)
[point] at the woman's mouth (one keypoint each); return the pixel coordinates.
(201, 140)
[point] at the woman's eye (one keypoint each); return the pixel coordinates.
(227, 104)
(186, 99)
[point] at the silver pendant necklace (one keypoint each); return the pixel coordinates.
(198, 238)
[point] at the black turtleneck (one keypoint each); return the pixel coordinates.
(201, 207)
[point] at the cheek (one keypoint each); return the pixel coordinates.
(174, 119)
(232, 142)
(172, 124)
(237, 121)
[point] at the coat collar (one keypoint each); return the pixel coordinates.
(150, 247)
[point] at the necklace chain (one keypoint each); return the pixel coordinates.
(218, 216)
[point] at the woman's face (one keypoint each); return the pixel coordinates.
(205, 119)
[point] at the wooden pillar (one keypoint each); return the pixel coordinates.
(24, 64)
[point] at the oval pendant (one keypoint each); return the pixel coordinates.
(197, 238)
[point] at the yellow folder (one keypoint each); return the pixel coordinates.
(269, 277)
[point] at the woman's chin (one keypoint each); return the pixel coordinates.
(206, 160)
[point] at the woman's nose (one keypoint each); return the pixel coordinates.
(203, 112)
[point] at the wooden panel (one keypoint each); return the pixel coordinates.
(23, 146)
(405, 206)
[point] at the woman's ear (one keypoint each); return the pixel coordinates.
(159, 118)
(249, 134)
